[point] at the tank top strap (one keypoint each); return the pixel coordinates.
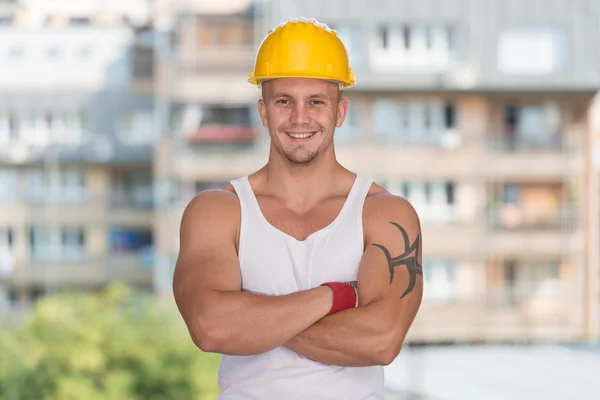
(356, 198)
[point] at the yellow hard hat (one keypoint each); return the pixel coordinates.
(302, 48)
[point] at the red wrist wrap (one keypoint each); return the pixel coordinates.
(344, 296)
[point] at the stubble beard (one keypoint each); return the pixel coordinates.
(300, 156)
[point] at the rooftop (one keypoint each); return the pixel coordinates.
(541, 372)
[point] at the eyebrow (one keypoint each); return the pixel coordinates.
(313, 96)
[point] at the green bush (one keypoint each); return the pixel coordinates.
(114, 345)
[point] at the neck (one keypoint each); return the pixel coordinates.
(302, 184)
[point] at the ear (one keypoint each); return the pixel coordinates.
(262, 112)
(342, 110)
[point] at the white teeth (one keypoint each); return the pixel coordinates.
(300, 135)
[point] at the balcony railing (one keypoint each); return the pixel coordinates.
(538, 143)
(131, 200)
(142, 259)
(519, 218)
(222, 134)
(442, 138)
(522, 292)
(190, 63)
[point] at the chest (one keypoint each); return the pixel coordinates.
(300, 225)
(284, 252)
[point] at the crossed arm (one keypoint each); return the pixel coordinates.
(390, 291)
(222, 318)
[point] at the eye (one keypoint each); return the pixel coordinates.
(283, 101)
(315, 102)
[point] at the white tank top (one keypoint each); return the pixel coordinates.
(275, 263)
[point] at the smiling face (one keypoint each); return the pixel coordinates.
(301, 115)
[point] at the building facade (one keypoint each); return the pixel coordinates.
(204, 56)
(476, 112)
(76, 182)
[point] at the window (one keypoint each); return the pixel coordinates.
(420, 49)
(427, 117)
(450, 193)
(57, 243)
(66, 127)
(531, 279)
(406, 37)
(72, 242)
(132, 189)
(450, 32)
(232, 116)
(449, 116)
(421, 123)
(428, 37)
(137, 127)
(128, 240)
(350, 131)
(8, 184)
(385, 120)
(9, 128)
(80, 21)
(384, 36)
(440, 280)
(434, 201)
(352, 36)
(63, 186)
(72, 185)
(532, 51)
(6, 238)
(511, 194)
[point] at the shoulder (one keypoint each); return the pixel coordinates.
(220, 206)
(385, 213)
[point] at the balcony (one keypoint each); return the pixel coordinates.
(87, 211)
(523, 311)
(390, 160)
(535, 144)
(213, 75)
(143, 71)
(203, 59)
(131, 267)
(135, 268)
(217, 161)
(131, 207)
(510, 217)
(517, 230)
(548, 156)
(100, 149)
(56, 272)
(222, 134)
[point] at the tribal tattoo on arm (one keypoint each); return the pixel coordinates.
(410, 259)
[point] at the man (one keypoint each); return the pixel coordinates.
(268, 265)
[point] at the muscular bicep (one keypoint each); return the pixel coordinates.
(207, 258)
(391, 267)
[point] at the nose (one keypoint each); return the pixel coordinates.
(300, 115)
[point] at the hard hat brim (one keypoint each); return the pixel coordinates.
(258, 80)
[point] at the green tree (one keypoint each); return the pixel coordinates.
(113, 345)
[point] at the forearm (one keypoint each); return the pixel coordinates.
(240, 323)
(354, 337)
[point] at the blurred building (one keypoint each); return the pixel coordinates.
(205, 51)
(60, 13)
(476, 112)
(76, 182)
(114, 114)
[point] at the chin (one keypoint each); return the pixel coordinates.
(300, 158)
